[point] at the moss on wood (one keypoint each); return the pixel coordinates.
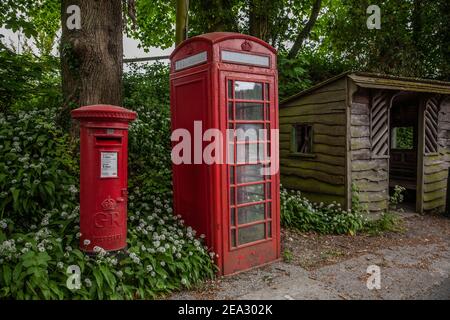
(433, 195)
(312, 165)
(363, 165)
(313, 174)
(316, 108)
(360, 143)
(326, 119)
(312, 185)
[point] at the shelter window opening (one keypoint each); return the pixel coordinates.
(302, 141)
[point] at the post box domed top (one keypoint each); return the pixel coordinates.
(103, 112)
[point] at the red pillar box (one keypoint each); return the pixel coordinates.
(103, 176)
(226, 84)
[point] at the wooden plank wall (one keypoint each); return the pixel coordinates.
(436, 165)
(321, 178)
(368, 174)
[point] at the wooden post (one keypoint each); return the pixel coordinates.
(181, 29)
(420, 155)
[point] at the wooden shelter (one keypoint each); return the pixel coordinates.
(361, 134)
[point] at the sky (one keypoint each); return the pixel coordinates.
(130, 46)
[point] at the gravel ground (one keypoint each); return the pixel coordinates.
(414, 264)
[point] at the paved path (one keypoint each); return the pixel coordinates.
(408, 272)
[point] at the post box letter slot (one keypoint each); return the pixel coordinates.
(105, 140)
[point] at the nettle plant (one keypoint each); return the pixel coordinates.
(162, 255)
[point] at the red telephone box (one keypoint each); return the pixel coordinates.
(228, 81)
(103, 176)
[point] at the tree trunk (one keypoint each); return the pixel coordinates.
(306, 29)
(92, 57)
(181, 28)
(259, 18)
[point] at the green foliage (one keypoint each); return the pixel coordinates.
(155, 23)
(407, 51)
(404, 138)
(39, 20)
(299, 213)
(28, 81)
(37, 170)
(288, 255)
(307, 69)
(388, 222)
(162, 256)
(147, 92)
(13, 16)
(39, 230)
(397, 197)
(357, 206)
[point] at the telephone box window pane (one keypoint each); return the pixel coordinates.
(269, 190)
(248, 194)
(250, 152)
(232, 216)
(266, 92)
(267, 111)
(252, 233)
(233, 238)
(230, 111)
(269, 230)
(231, 175)
(249, 111)
(248, 90)
(269, 210)
(249, 173)
(232, 196)
(249, 132)
(230, 89)
(251, 214)
(230, 153)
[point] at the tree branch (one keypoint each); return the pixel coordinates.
(306, 30)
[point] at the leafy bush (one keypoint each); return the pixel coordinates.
(298, 212)
(28, 81)
(397, 198)
(37, 168)
(147, 92)
(162, 256)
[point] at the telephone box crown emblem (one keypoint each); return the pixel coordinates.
(109, 204)
(246, 46)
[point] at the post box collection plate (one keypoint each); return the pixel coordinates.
(108, 164)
